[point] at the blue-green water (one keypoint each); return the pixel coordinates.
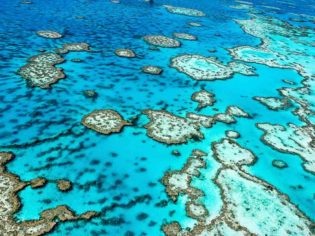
(119, 174)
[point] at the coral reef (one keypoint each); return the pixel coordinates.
(195, 24)
(230, 153)
(204, 99)
(179, 182)
(230, 113)
(90, 94)
(232, 134)
(201, 120)
(153, 70)
(104, 121)
(49, 34)
(250, 205)
(206, 68)
(274, 103)
(161, 41)
(279, 164)
(185, 36)
(122, 52)
(38, 182)
(73, 47)
(64, 185)
(269, 52)
(170, 129)
(41, 71)
(293, 139)
(184, 11)
(10, 203)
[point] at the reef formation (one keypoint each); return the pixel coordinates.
(162, 41)
(49, 34)
(204, 99)
(205, 68)
(274, 103)
(291, 139)
(168, 128)
(73, 47)
(153, 70)
(250, 205)
(41, 71)
(10, 204)
(104, 121)
(269, 53)
(184, 11)
(185, 36)
(122, 52)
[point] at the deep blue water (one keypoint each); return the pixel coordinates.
(42, 127)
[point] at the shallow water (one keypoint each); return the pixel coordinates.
(119, 174)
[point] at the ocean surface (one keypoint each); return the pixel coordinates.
(119, 175)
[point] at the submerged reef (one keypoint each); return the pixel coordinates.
(256, 207)
(236, 111)
(73, 47)
(204, 99)
(274, 103)
(184, 11)
(229, 116)
(64, 185)
(201, 120)
(270, 52)
(122, 52)
(301, 98)
(201, 68)
(214, 192)
(293, 139)
(242, 68)
(104, 121)
(185, 36)
(153, 70)
(250, 205)
(232, 134)
(10, 204)
(195, 24)
(279, 164)
(288, 138)
(168, 128)
(179, 182)
(162, 41)
(171, 129)
(196, 210)
(206, 68)
(49, 34)
(229, 152)
(41, 71)
(38, 182)
(90, 94)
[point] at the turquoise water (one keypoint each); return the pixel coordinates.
(119, 174)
